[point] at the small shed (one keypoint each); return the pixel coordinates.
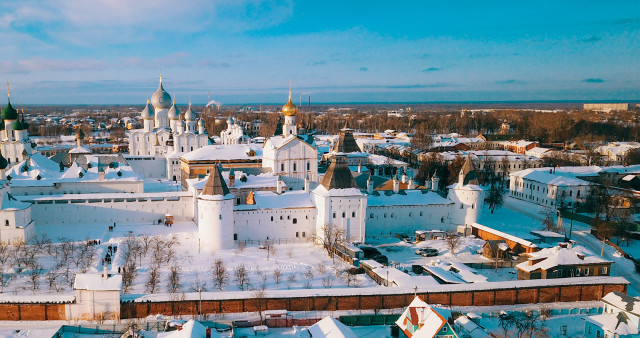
(495, 249)
(97, 297)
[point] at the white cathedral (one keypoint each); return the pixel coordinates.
(285, 197)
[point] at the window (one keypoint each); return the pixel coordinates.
(297, 234)
(295, 221)
(281, 218)
(353, 214)
(344, 214)
(294, 167)
(303, 234)
(220, 216)
(441, 219)
(308, 166)
(603, 270)
(421, 213)
(334, 215)
(282, 167)
(385, 215)
(6, 222)
(271, 218)
(371, 215)
(586, 271)
(235, 237)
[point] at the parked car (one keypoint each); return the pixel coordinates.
(369, 252)
(427, 252)
(382, 259)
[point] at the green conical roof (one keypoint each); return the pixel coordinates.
(3, 162)
(9, 113)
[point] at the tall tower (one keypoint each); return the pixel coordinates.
(215, 213)
(174, 116)
(468, 195)
(289, 111)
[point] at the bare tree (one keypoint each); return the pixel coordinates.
(309, 277)
(220, 275)
(331, 236)
(548, 224)
(174, 279)
(242, 277)
(452, 241)
(152, 282)
(327, 281)
(277, 274)
(5, 255)
(128, 275)
(291, 279)
(35, 271)
(260, 302)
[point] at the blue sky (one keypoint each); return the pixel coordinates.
(247, 51)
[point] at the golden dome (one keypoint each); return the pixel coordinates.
(289, 109)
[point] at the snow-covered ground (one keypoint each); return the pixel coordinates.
(300, 265)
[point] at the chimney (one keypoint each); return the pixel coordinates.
(232, 178)
(370, 185)
(279, 186)
(396, 184)
(102, 176)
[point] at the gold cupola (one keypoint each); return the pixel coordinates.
(289, 109)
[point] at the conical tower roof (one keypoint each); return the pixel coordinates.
(346, 143)
(468, 173)
(338, 176)
(215, 184)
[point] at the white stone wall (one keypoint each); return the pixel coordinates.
(81, 188)
(274, 224)
(348, 213)
(148, 166)
(467, 205)
(547, 195)
(91, 305)
(16, 225)
(106, 211)
(215, 222)
(390, 220)
(295, 159)
(12, 151)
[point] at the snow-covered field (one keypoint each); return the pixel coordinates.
(298, 265)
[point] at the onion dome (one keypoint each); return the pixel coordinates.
(9, 113)
(289, 109)
(161, 99)
(20, 124)
(147, 113)
(174, 112)
(3, 162)
(190, 115)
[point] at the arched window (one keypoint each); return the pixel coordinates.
(421, 213)
(281, 166)
(295, 221)
(308, 166)
(353, 214)
(385, 215)
(295, 167)
(344, 214)
(371, 215)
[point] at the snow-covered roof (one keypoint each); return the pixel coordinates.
(190, 329)
(322, 191)
(36, 165)
(408, 197)
(80, 150)
(617, 323)
(421, 314)
(95, 282)
(546, 233)
(544, 177)
(271, 200)
(557, 256)
(623, 301)
(263, 180)
(504, 235)
(224, 152)
(444, 275)
(38, 298)
(330, 328)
